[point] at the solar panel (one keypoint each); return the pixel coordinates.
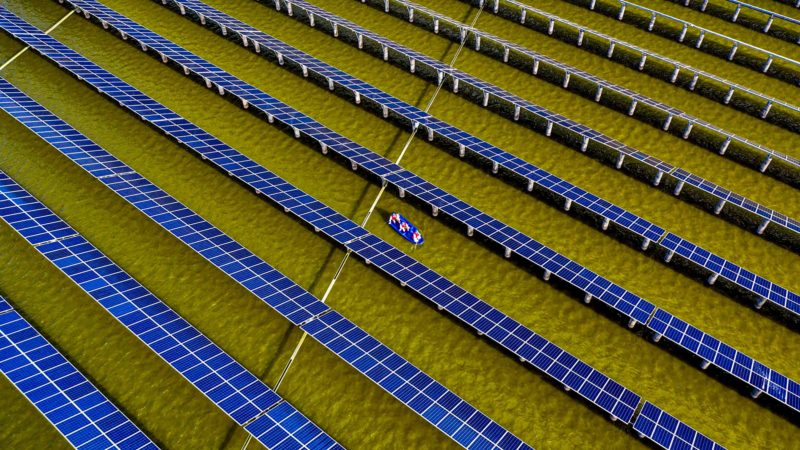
(743, 278)
(239, 393)
(67, 399)
(772, 16)
(510, 162)
(669, 432)
(228, 255)
(760, 377)
(568, 71)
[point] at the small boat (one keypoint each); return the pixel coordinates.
(406, 229)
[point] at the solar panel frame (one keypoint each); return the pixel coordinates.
(67, 399)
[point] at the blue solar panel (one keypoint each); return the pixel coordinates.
(239, 393)
(4, 306)
(567, 70)
(225, 253)
(503, 159)
(728, 359)
(669, 432)
(81, 413)
(755, 284)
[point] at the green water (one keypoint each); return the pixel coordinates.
(347, 405)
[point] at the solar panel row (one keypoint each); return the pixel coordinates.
(731, 361)
(523, 11)
(520, 167)
(67, 399)
(384, 168)
(239, 263)
(700, 34)
(772, 17)
(239, 393)
(569, 71)
(243, 266)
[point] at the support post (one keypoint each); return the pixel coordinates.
(632, 323)
(587, 298)
(620, 160)
(720, 205)
(461, 150)
(769, 23)
(669, 255)
(700, 39)
(632, 108)
(704, 365)
(765, 164)
(508, 252)
(505, 54)
(550, 26)
(688, 130)
(756, 392)
(725, 145)
(678, 188)
(598, 94)
(455, 85)
(580, 37)
(606, 222)
(645, 243)
(522, 16)
(657, 337)
(530, 185)
(642, 61)
(401, 192)
(657, 179)
(733, 50)
(495, 166)
(567, 204)
(546, 276)
(566, 80)
(667, 123)
(652, 21)
(766, 109)
(436, 26)
(763, 226)
(712, 278)
(729, 95)
(435, 211)
(611, 49)
(621, 12)
(516, 112)
(470, 230)
(765, 68)
(485, 99)
(760, 302)
(683, 33)
(693, 84)
(674, 76)
(549, 128)
(585, 144)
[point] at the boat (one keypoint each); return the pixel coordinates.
(405, 228)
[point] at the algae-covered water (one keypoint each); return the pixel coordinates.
(345, 404)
